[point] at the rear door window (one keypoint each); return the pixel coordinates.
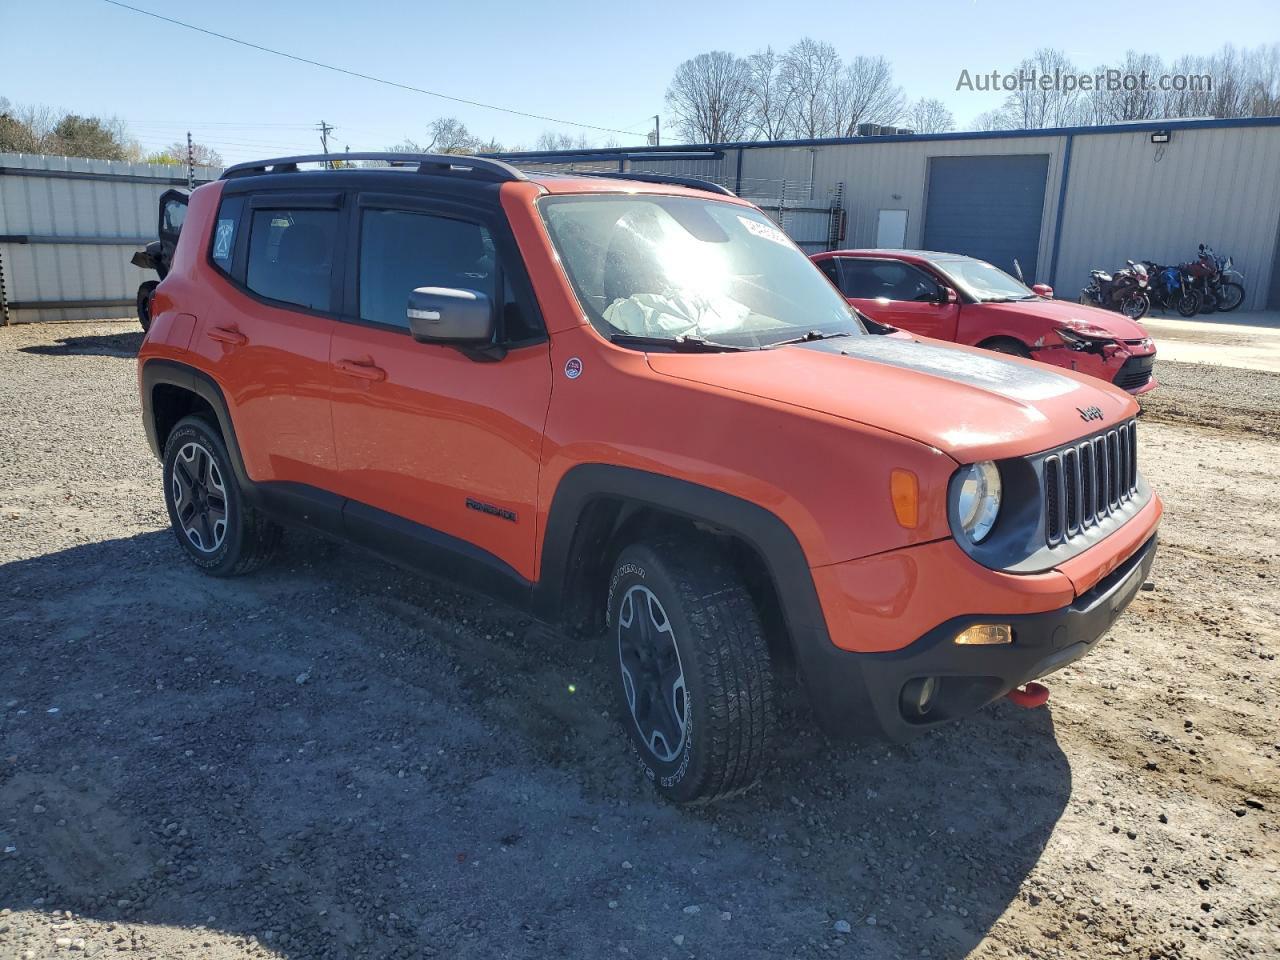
(291, 255)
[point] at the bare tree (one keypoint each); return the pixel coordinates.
(1264, 72)
(551, 140)
(930, 116)
(864, 92)
(709, 98)
(1034, 107)
(770, 104)
(450, 135)
(808, 80)
(990, 120)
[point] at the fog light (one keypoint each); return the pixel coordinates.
(917, 695)
(985, 633)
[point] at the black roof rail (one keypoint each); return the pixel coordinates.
(480, 167)
(694, 183)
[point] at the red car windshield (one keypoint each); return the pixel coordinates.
(982, 281)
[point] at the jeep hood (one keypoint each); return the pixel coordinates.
(1061, 313)
(969, 403)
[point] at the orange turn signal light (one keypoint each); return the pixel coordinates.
(904, 489)
(985, 633)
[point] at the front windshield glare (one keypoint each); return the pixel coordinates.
(657, 266)
(982, 281)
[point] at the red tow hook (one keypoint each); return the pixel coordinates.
(1029, 695)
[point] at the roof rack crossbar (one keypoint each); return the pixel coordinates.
(693, 183)
(482, 168)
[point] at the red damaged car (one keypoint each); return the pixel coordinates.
(952, 297)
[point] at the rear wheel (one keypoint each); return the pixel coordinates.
(220, 531)
(1188, 304)
(694, 683)
(144, 303)
(1230, 295)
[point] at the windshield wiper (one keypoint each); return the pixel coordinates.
(1009, 299)
(809, 337)
(683, 344)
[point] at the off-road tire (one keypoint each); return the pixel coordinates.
(248, 538)
(728, 681)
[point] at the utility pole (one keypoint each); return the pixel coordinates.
(325, 130)
(191, 163)
(657, 131)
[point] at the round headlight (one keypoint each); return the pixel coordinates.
(979, 500)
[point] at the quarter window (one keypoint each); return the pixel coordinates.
(401, 250)
(291, 256)
(222, 248)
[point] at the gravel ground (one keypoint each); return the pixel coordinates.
(335, 759)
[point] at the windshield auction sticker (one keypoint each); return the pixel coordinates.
(765, 231)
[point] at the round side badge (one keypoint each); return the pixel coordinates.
(573, 368)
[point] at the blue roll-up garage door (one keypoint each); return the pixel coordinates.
(987, 207)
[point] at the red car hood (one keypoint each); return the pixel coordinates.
(969, 403)
(1062, 313)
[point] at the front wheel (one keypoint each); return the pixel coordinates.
(222, 533)
(1135, 307)
(694, 683)
(1230, 295)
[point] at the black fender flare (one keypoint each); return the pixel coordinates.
(158, 371)
(759, 528)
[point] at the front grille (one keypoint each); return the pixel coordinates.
(1088, 481)
(1135, 373)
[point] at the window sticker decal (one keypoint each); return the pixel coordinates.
(222, 237)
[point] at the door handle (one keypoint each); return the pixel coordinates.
(365, 371)
(223, 335)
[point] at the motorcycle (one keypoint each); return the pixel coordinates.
(158, 254)
(1222, 286)
(1172, 287)
(1126, 292)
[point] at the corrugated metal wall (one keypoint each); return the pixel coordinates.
(895, 176)
(1130, 198)
(68, 227)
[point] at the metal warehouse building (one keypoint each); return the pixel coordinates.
(1061, 201)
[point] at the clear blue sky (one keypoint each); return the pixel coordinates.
(606, 64)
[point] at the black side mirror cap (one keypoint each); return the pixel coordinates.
(451, 315)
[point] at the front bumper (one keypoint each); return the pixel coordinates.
(861, 693)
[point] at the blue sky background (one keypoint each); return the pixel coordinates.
(603, 64)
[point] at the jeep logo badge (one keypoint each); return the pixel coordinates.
(1089, 413)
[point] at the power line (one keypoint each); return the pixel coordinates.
(363, 76)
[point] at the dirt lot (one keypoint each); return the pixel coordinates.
(335, 759)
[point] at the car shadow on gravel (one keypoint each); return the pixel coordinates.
(341, 759)
(123, 344)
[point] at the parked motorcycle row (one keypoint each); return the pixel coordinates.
(1204, 285)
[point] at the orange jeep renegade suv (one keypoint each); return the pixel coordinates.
(632, 405)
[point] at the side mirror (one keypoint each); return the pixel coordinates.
(947, 295)
(450, 315)
(1043, 289)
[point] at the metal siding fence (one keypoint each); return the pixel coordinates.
(78, 233)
